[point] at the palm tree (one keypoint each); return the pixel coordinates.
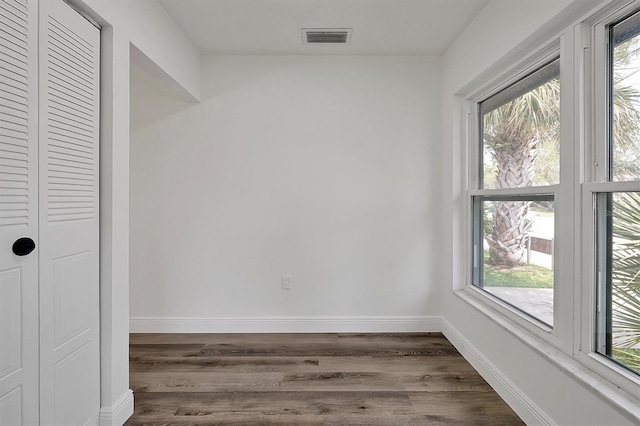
(514, 134)
(626, 111)
(625, 244)
(625, 277)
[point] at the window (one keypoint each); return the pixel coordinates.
(624, 95)
(518, 165)
(618, 203)
(553, 196)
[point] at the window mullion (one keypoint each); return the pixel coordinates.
(528, 191)
(565, 203)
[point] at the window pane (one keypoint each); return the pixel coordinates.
(619, 321)
(513, 256)
(625, 119)
(520, 132)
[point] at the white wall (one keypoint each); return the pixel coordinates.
(539, 382)
(430, 225)
(144, 26)
(324, 168)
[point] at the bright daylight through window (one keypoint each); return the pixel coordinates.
(618, 210)
(513, 231)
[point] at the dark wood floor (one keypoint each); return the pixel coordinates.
(308, 379)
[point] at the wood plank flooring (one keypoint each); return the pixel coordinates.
(308, 379)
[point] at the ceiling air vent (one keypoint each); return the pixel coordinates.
(326, 35)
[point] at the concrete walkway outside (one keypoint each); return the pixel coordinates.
(537, 302)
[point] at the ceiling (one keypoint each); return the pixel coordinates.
(272, 27)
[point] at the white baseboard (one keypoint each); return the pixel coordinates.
(386, 324)
(524, 407)
(118, 413)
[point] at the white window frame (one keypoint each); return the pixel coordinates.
(593, 40)
(581, 46)
(555, 47)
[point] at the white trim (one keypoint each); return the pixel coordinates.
(395, 324)
(591, 379)
(595, 94)
(536, 44)
(518, 70)
(523, 190)
(514, 314)
(524, 407)
(586, 350)
(564, 203)
(618, 186)
(523, 64)
(118, 413)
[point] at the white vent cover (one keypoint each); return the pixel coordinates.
(326, 35)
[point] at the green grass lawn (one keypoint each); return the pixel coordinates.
(525, 276)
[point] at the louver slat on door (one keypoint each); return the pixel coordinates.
(14, 118)
(71, 93)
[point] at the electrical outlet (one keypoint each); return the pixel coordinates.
(286, 282)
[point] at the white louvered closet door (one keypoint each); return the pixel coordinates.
(69, 52)
(49, 301)
(18, 212)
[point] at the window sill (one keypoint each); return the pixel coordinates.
(625, 402)
(519, 318)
